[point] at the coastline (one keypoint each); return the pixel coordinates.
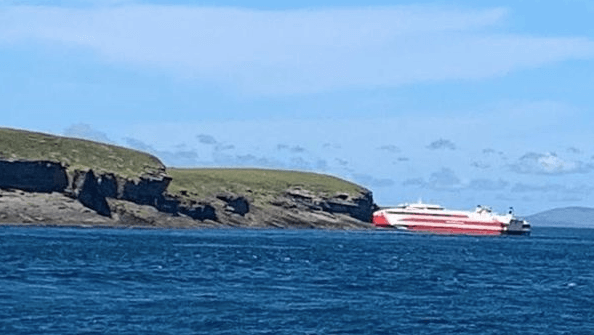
(23, 208)
(62, 181)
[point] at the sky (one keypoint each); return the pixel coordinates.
(457, 103)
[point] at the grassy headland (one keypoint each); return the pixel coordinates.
(76, 153)
(260, 184)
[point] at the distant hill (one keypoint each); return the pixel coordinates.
(576, 217)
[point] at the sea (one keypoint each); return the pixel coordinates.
(236, 281)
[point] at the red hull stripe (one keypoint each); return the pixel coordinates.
(456, 231)
(450, 225)
(459, 222)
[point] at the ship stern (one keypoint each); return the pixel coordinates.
(518, 227)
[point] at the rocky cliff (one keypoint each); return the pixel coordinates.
(146, 202)
(56, 191)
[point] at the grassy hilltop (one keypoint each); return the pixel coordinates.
(261, 185)
(76, 153)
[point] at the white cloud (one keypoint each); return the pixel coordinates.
(293, 149)
(446, 180)
(341, 162)
(442, 144)
(372, 181)
(491, 151)
(268, 52)
(483, 184)
(574, 150)
(548, 163)
(389, 148)
(85, 131)
(443, 180)
(206, 139)
(480, 165)
(550, 188)
(177, 158)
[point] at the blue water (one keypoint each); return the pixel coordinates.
(111, 281)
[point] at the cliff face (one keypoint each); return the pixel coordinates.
(303, 208)
(36, 176)
(360, 207)
(145, 201)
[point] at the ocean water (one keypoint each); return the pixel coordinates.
(133, 281)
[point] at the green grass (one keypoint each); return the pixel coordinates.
(76, 153)
(258, 183)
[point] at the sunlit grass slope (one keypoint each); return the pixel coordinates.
(259, 183)
(76, 153)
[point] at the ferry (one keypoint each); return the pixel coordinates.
(428, 218)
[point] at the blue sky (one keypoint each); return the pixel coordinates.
(446, 101)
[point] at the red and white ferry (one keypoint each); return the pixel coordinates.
(436, 219)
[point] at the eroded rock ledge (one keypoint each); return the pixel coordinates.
(45, 192)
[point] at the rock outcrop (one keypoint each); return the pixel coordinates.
(93, 189)
(33, 176)
(85, 187)
(360, 207)
(299, 207)
(235, 204)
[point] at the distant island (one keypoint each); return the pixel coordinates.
(54, 180)
(571, 217)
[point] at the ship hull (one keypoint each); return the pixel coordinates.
(450, 223)
(445, 230)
